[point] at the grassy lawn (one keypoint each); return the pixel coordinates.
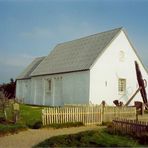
(29, 115)
(89, 139)
(11, 128)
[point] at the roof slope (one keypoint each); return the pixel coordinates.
(30, 68)
(75, 55)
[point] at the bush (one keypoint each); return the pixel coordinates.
(37, 125)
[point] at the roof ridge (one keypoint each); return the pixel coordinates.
(40, 57)
(119, 28)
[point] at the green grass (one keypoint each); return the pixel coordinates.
(11, 128)
(98, 138)
(29, 115)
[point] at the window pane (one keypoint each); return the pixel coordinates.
(49, 85)
(122, 85)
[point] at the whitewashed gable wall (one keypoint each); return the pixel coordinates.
(104, 74)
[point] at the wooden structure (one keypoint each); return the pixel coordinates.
(90, 69)
(87, 114)
(142, 85)
(130, 126)
(109, 113)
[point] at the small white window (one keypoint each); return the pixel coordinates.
(121, 86)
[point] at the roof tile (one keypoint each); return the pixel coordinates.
(75, 55)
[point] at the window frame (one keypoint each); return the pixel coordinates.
(121, 86)
(48, 88)
(49, 85)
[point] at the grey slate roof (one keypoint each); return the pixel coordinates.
(30, 68)
(76, 55)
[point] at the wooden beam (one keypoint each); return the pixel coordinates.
(132, 97)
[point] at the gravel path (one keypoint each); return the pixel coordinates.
(29, 138)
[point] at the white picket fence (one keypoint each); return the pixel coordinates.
(86, 114)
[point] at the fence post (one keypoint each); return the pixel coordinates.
(43, 117)
(102, 112)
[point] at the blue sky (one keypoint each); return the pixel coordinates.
(31, 28)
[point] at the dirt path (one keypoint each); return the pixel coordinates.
(29, 138)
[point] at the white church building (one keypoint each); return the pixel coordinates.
(83, 71)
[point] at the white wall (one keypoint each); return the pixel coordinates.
(23, 90)
(68, 88)
(105, 72)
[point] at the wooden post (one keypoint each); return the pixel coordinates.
(142, 109)
(136, 116)
(16, 109)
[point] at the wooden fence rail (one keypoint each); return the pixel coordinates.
(130, 126)
(109, 113)
(88, 114)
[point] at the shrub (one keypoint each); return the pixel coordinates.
(37, 125)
